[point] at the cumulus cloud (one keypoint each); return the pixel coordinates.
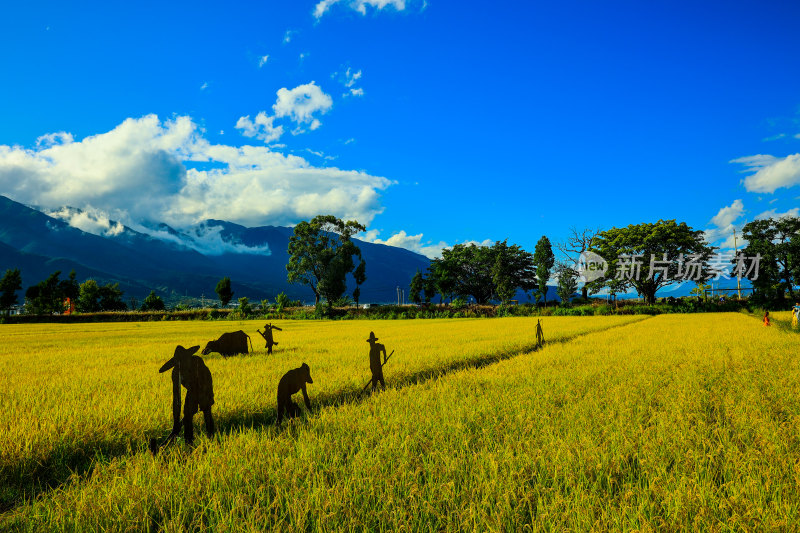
(146, 169)
(728, 214)
(724, 224)
(298, 105)
(261, 128)
(301, 103)
(357, 5)
(770, 172)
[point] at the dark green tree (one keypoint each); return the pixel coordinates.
(321, 255)
(512, 269)
(543, 259)
(69, 288)
(416, 288)
(429, 288)
(89, 297)
(46, 297)
(778, 244)
(632, 251)
(153, 302)
(111, 298)
(224, 291)
(567, 283)
(360, 276)
(9, 285)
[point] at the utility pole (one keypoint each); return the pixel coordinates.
(398, 295)
(738, 271)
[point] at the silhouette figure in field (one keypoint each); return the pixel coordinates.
(268, 336)
(190, 371)
(293, 381)
(375, 350)
(766, 318)
(229, 344)
(539, 334)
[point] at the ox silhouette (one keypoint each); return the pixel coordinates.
(229, 344)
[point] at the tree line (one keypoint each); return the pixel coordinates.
(322, 254)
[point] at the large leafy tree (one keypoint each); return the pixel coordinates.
(777, 241)
(648, 256)
(224, 291)
(321, 255)
(48, 296)
(544, 260)
(9, 285)
(153, 302)
(513, 268)
(360, 276)
(483, 272)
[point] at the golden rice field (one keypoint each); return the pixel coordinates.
(675, 422)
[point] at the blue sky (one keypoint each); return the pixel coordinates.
(432, 122)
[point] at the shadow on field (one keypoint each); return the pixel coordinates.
(31, 477)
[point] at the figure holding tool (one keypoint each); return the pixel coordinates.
(267, 334)
(375, 365)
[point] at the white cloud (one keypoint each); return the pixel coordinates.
(143, 170)
(301, 103)
(773, 213)
(728, 214)
(770, 172)
(409, 242)
(263, 60)
(204, 86)
(205, 238)
(358, 5)
(287, 37)
(89, 220)
(349, 78)
(725, 223)
(262, 128)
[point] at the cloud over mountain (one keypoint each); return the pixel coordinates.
(148, 169)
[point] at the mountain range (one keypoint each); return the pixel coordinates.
(176, 263)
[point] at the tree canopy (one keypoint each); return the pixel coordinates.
(777, 242)
(321, 255)
(9, 285)
(483, 272)
(650, 256)
(224, 291)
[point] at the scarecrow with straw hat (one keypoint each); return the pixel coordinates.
(190, 371)
(375, 365)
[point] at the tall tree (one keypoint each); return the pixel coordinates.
(224, 291)
(360, 276)
(46, 297)
(9, 285)
(89, 297)
(321, 255)
(578, 242)
(636, 256)
(778, 243)
(416, 288)
(544, 259)
(111, 298)
(567, 283)
(512, 269)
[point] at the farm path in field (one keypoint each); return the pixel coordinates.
(74, 465)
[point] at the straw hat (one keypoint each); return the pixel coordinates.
(372, 337)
